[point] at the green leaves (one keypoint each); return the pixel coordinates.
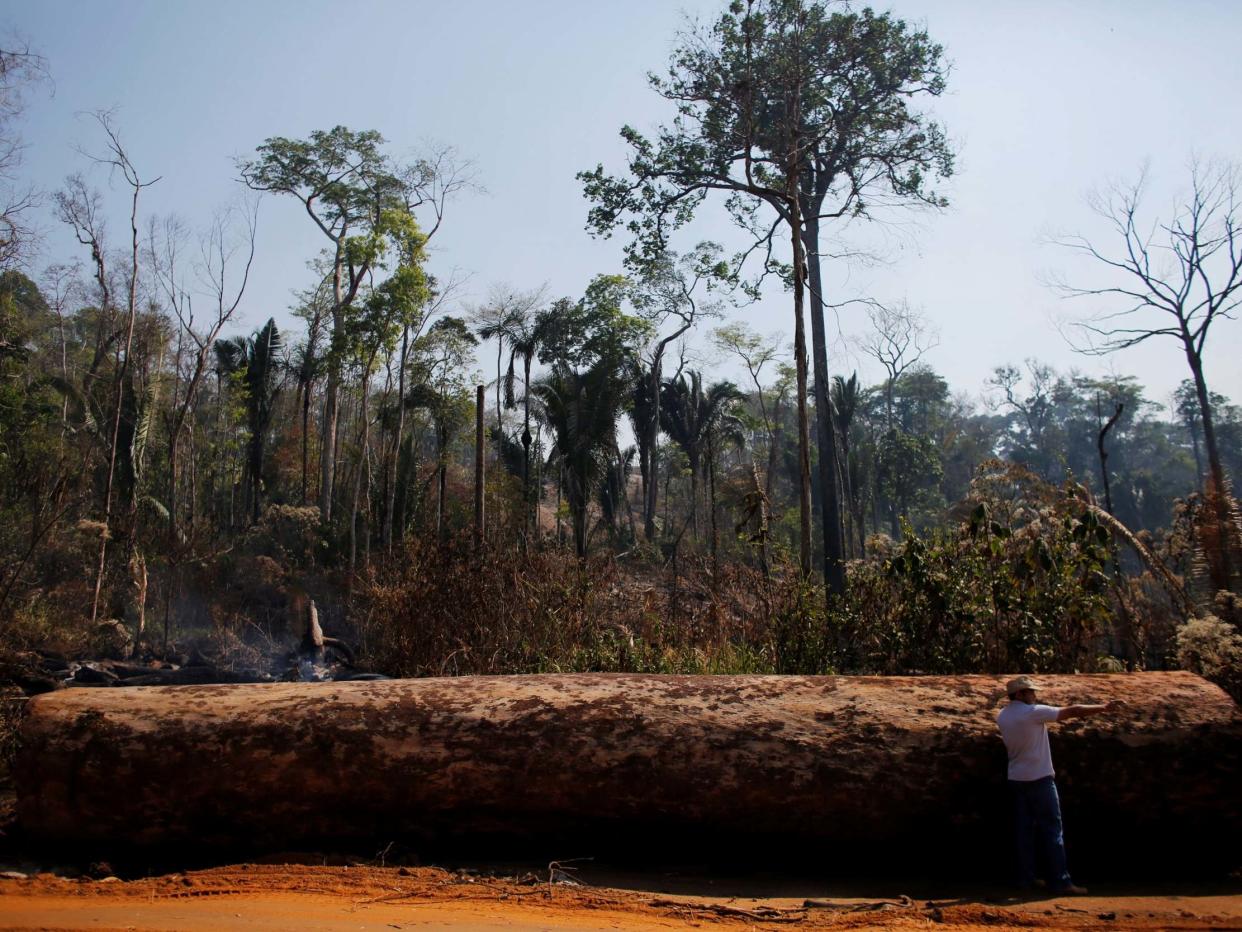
(582, 408)
(772, 93)
(340, 175)
(595, 330)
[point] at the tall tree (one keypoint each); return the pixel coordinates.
(846, 399)
(736, 85)
(220, 246)
(442, 354)
(783, 104)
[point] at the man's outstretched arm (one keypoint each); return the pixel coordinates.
(1085, 711)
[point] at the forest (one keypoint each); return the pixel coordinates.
(518, 481)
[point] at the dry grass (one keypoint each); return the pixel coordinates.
(438, 610)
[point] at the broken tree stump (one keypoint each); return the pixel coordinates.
(846, 764)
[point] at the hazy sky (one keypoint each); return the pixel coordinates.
(1046, 100)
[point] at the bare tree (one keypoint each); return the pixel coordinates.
(1034, 406)
(1168, 278)
(78, 207)
(19, 68)
(755, 352)
(900, 336)
(219, 247)
(61, 284)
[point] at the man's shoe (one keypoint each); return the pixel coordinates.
(1072, 890)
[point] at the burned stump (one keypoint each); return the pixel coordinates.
(835, 764)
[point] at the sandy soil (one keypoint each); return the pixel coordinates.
(250, 896)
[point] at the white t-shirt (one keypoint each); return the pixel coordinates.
(1025, 731)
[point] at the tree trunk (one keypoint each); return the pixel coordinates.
(122, 370)
(358, 503)
(306, 401)
(804, 430)
(560, 487)
(774, 445)
(651, 498)
(857, 765)
(1194, 446)
(1222, 569)
(479, 527)
(256, 475)
(711, 503)
(174, 473)
(390, 506)
(580, 528)
(526, 441)
(830, 499)
(694, 496)
(442, 489)
(328, 437)
(327, 447)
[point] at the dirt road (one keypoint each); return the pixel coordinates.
(373, 898)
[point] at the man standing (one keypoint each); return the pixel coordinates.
(1024, 725)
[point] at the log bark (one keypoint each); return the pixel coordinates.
(843, 764)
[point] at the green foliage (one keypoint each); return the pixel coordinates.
(1020, 584)
(851, 79)
(253, 363)
(341, 172)
(581, 409)
(694, 417)
(908, 471)
(593, 331)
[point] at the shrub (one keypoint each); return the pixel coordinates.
(1020, 583)
(1213, 649)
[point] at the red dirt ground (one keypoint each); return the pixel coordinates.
(251, 896)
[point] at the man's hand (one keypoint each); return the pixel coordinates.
(1115, 705)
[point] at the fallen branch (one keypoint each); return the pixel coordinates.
(758, 913)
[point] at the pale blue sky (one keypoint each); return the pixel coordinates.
(1046, 100)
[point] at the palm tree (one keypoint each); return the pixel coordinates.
(255, 360)
(525, 339)
(581, 409)
(697, 420)
(507, 315)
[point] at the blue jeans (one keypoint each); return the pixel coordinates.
(1037, 823)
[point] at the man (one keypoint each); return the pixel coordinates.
(1024, 725)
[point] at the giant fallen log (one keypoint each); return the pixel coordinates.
(837, 764)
